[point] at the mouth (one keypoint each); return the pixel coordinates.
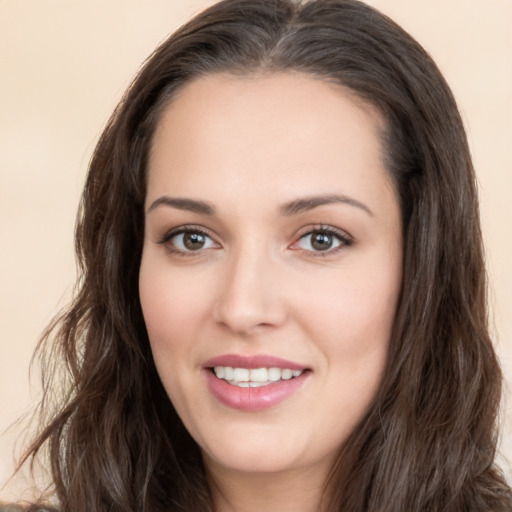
(254, 377)
(254, 383)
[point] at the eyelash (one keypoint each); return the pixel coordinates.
(169, 235)
(344, 239)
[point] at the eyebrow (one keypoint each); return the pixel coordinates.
(294, 207)
(191, 205)
(308, 203)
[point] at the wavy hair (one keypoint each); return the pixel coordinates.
(427, 443)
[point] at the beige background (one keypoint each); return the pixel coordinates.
(63, 67)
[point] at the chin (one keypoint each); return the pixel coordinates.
(262, 449)
(251, 461)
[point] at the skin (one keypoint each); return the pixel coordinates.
(247, 146)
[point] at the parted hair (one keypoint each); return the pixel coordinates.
(427, 443)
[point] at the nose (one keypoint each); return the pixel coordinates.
(250, 296)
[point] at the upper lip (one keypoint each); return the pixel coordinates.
(255, 361)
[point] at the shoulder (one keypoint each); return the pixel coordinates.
(13, 507)
(8, 507)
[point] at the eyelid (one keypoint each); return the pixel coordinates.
(186, 228)
(182, 229)
(345, 238)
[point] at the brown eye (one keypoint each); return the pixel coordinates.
(321, 241)
(194, 241)
(189, 241)
(325, 240)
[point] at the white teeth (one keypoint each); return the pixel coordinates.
(274, 374)
(286, 374)
(241, 374)
(254, 377)
(247, 384)
(258, 375)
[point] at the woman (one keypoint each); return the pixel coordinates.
(282, 300)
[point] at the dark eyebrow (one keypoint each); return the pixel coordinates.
(308, 203)
(192, 205)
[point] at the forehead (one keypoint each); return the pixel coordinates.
(291, 129)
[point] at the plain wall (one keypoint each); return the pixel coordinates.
(63, 67)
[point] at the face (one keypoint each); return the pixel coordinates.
(271, 267)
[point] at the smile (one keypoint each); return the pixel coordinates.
(254, 383)
(254, 377)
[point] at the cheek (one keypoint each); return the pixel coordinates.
(358, 307)
(353, 331)
(173, 312)
(351, 318)
(172, 306)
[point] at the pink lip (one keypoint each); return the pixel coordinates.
(253, 399)
(257, 361)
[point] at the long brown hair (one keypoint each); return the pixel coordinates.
(428, 441)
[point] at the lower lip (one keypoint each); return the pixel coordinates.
(253, 399)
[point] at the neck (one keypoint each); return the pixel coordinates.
(298, 490)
